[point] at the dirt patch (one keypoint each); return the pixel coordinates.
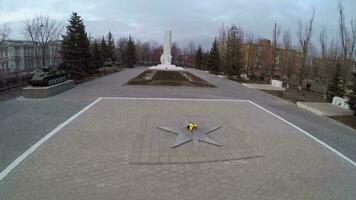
(169, 78)
(347, 120)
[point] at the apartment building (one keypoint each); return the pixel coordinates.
(23, 55)
(258, 59)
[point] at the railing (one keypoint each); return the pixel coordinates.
(9, 86)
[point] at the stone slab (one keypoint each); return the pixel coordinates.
(341, 102)
(276, 83)
(263, 87)
(44, 92)
(324, 109)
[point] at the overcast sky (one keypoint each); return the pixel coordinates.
(196, 20)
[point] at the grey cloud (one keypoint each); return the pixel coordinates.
(197, 20)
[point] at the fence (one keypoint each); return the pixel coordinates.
(314, 92)
(13, 80)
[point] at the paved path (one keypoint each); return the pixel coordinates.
(114, 151)
(25, 121)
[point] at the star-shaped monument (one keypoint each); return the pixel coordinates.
(191, 132)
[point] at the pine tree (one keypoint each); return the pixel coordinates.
(130, 56)
(75, 49)
(199, 58)
(96, 55)
(213, 62)
(232, 58)
(110, 51)
(103, 49)
(335, 87)
(352, 96)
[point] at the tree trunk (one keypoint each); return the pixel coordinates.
(301, 70)
(43, 57)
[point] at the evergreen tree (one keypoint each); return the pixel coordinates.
(205, 59)
(232, 58)
(335, 87)
(130, 56)
(213, 62)
(199, 58)
(110, 51)
(121, 46)
(96, 55)
(352, 96)
(104, 50)
(75, 49)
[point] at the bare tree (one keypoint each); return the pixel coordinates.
(275, 36)
(347, 40)
(4, 32)
(332, 55)
(189, 54)
(121, 46)
(249, 38)
(222, 39)
(287, 46)
(304, 34)
(344, 35)
(42, 31)
(322, 68)
(352, 46)
(323, 39)
(313, 70)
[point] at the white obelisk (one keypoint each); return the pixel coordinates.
(166, 57)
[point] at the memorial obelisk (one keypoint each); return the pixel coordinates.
(166, 57)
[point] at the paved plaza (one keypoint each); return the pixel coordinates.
(96, 156)
(113, 150)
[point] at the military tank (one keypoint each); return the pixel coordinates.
(47, 76)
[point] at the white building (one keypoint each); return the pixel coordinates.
(23, 55)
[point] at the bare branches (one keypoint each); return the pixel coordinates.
(334, 48)
(42, 31)
(352, 43)
(304, 34)
(347, 42)
(323, 39)
(287, 40)
(347, 35)
(275, 36)
(276, 33)
(344, 35)
(249, 37)
(4, 32)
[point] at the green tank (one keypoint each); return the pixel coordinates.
(47, 76)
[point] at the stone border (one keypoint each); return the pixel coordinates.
(44, 92)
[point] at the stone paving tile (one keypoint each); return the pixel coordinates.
(89, 159)
(155, 142)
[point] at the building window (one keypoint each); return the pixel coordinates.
(17, 65)
(17, 51)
